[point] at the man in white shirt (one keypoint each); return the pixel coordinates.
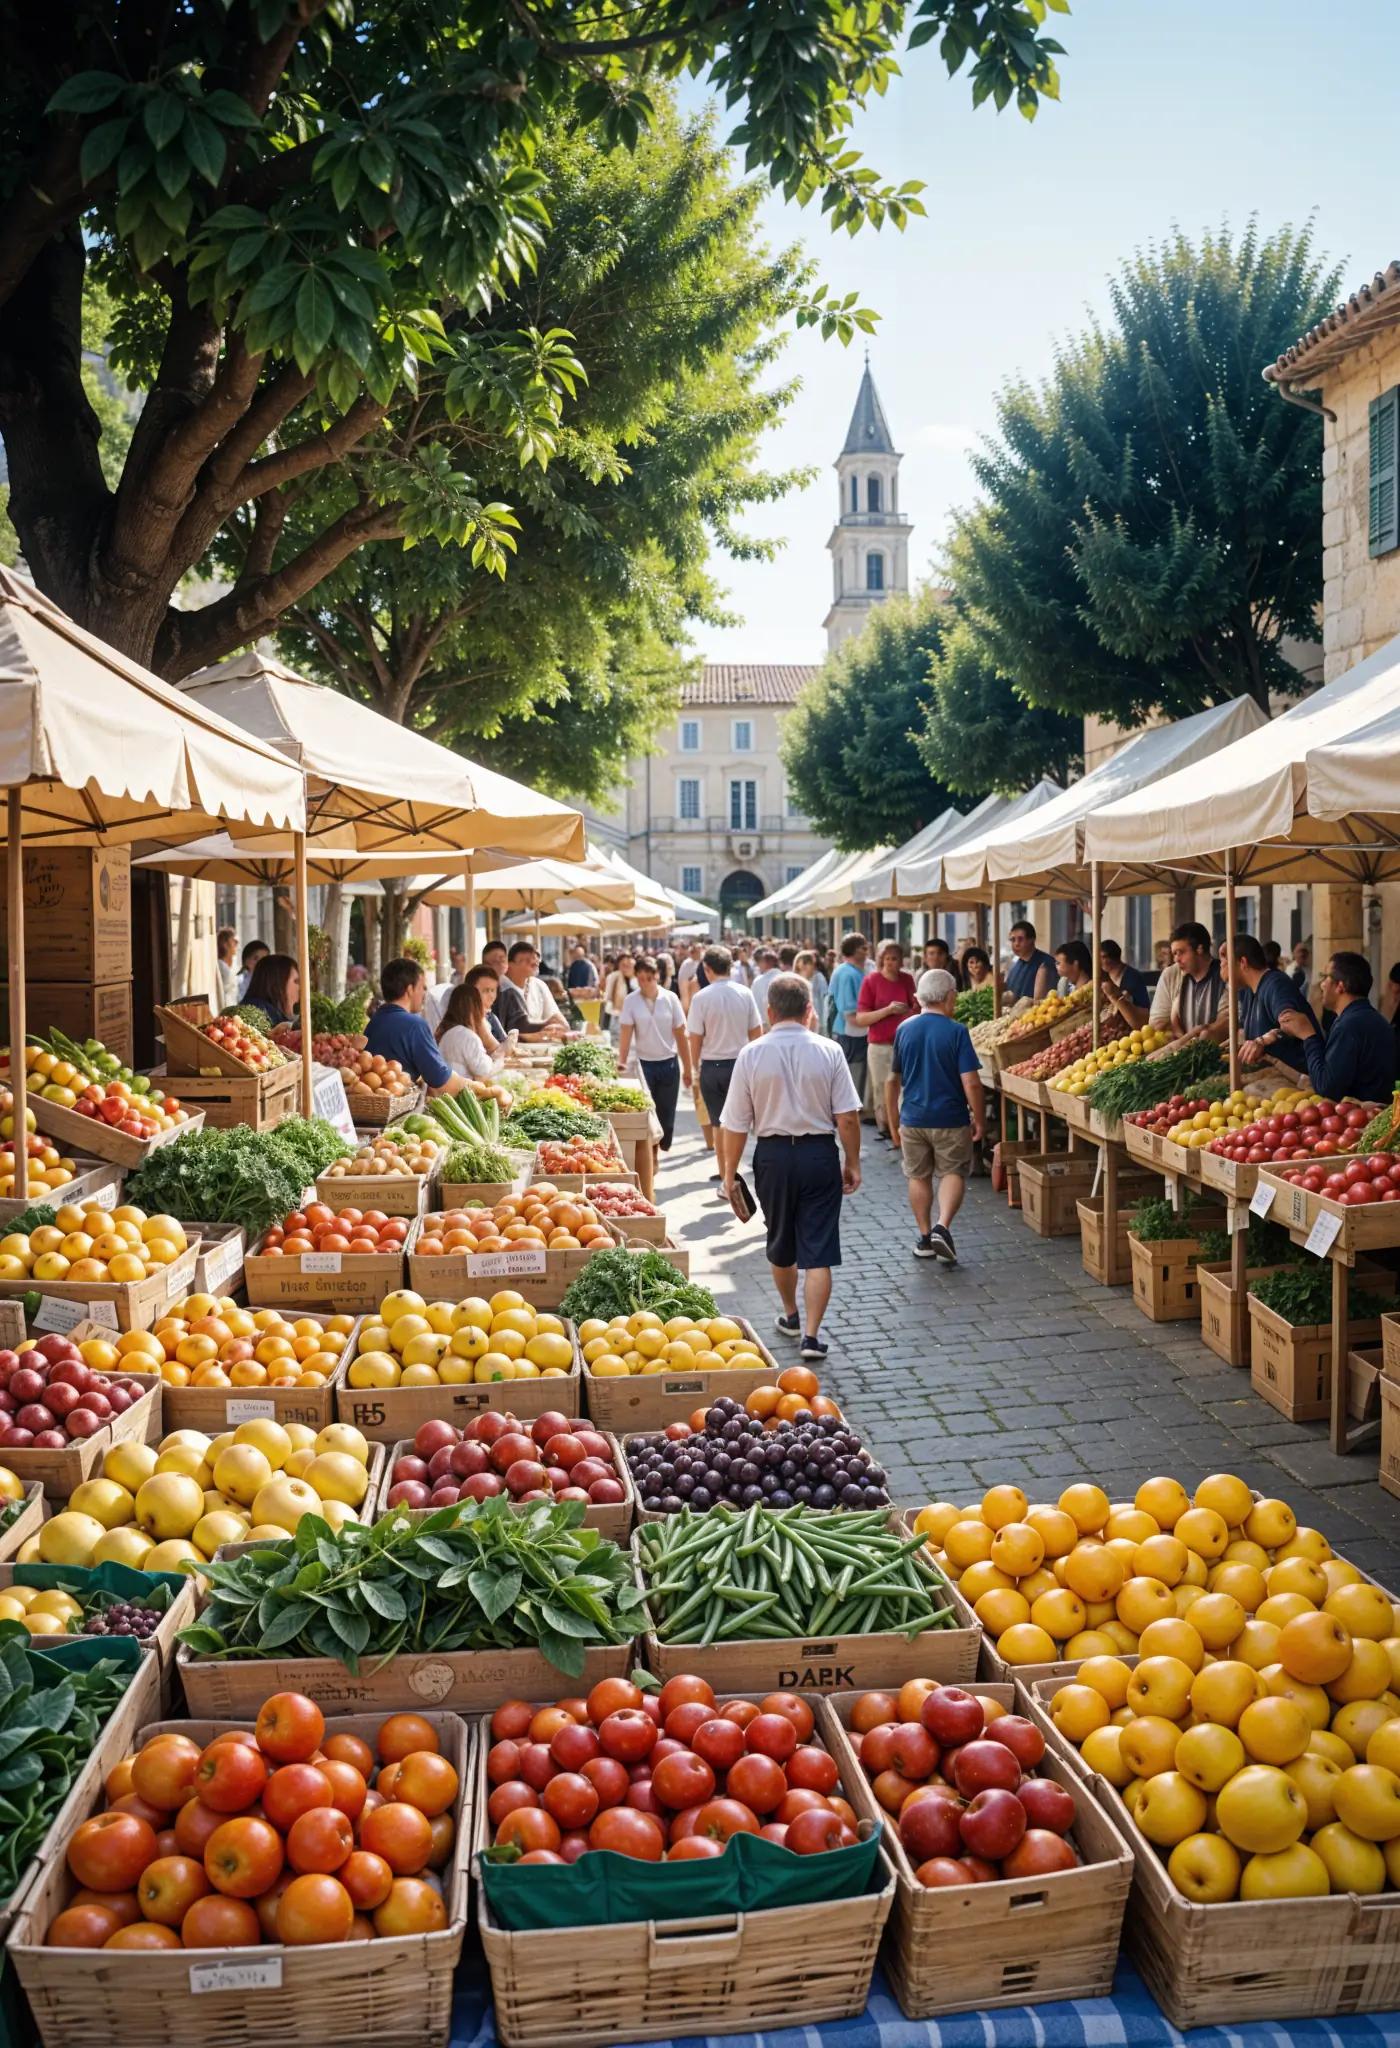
(794, 1091)
(522, 989)
(653, 1031)
(766, 961)
(720, 1022)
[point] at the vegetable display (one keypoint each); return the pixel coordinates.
(47, 1734)
(776, 1572)
(618, 1198)
(1302, 1295)
(237, 1175)
(465, 1118)
(1138, 1085)
(1113, 1053)
(617, 1095)
(528, 1124)
(973, 1005)
(740, 1460)
(478, 1576)
(585, 1056)
(1311, 1128)
(348, 1016)
(402, 1156)
(1154, 1220)
(475, 1160)
(624, 1281)
(1265, 1244)
(1383, 1132)
(245, 1032)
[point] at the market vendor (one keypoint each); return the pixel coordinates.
(274, 987)
(523, 1003)
(1074, 966)
(1357, 1056)
(1123, 987)
(1267, 993)
(1190, 995)
(1031, 973)
(399, 1031)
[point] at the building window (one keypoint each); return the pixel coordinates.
(794, 805)
(875, 570)
(743, 806)
(793, 872)
(689, 792)
(690, 881)
(1139, 933)
(872, 494)
(855, 494)
(743, 735)
(1384, 523)
(690, 735)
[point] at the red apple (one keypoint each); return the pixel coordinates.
(433, 1436)
(1020, 1736)
(467, 1458)
(952, 1715)
(993, 1824)
(930, 1827)
(1047, 1805)
(978, 1766)
(407, 1493)
(943, 1870)
(1038, 1852)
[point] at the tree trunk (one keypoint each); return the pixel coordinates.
(337, 929)
(284, 929)
(374, 950)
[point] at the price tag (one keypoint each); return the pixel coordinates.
(1262, 1199)
(93, 1325)
(223, 1260)
(253, 1973)
(104, 1198)
(58, 1315)
(103, 1315)
(249, 1408)
(494, 1265)
(328, 1099)
(320, 1262)
(1324, 1233)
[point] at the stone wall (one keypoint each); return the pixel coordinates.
(1361, 595)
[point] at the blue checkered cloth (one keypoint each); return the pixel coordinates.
(1131, 2018)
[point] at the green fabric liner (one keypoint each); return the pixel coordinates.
(80, 1653)
(603, 1889)
(122, 1581)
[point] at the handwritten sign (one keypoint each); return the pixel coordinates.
(497, 1265)
(1262, 1200)
(328, 1099)
(249, 1408)
(251, 1973)
(1324, 1233)
(223, 1260)
(104, 1197)
(56, 1314)
(320, 1262)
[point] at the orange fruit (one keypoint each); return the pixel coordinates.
(1315, 1647)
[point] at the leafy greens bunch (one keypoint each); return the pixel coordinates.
(585, 1056)
(620, 1282)
(1302, 1295)
(47, 1733)
(237, 1175)
(541, 1120)
(1145, 1083)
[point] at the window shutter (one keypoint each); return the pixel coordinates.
(1384, 534)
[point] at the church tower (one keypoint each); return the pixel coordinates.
(870, 541)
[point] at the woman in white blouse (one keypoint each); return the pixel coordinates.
(464, 1036)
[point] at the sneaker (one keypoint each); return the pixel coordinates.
(923, 1248)
(941, 1239)
(787, 1326)
(813, 1350)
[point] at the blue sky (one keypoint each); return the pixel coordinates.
(1172, 111)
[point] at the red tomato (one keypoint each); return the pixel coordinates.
(811, 1769)
(505, 1798)
(572, 1747)
(243, 1858)
(792, 1708)
(628, 1735)
(628, 1833)
(685, 1686)
(571, 1799)
(109, 1852)
(529, 1828)
(320, 1840)
(771, 1735)
(609, 1696)
(693, 1848)
(608, 1778)
(719, 1742)
(289, 1727)
(818, 1830)
(725, 1817)
(683, 1721)
(295, 1789)
(684, 1779)
(230, 1776)
(758, 1781)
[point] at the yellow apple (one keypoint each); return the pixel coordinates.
(1292, 1873)
(1261, 1810)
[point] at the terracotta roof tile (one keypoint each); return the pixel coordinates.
(741, 682)
(1370, 306)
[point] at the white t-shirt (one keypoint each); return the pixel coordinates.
(760, 992)
(465, 1053)
(654, 1025)
(721, 1016)
(790, 1084)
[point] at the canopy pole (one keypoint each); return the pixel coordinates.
(1095, 914)
(14, 907)
(1231, 971)
(994, 948)
(303, 967)
(469, 948)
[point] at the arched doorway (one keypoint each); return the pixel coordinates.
(738, 894)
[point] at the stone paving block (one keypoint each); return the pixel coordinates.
(1317, 1464)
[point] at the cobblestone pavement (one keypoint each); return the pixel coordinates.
(1015, 1365)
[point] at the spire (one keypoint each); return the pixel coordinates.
(869, 431)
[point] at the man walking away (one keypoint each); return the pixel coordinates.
(794, 1090)
(935, 1110)
(853, 1038)
(766, 961)
(721, 1020)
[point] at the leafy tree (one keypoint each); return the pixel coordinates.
(978, 731)
(1152, 526)
(302, 207)
(112, 414)
(848, 744)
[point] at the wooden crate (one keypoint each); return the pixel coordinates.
(386, 1414)
(219, 1268)
(75, 1134)
(188, 1051)
(1012, 1051)
(1390, 1347)
(1052, 1186)
(1225, 1326)
(639, 1229)
(1073, 1108)
(393, 1194)
(261, 1101)
(161, 1644)
(26, 1522)
(457, 1681)
(1248, 1960)
(1021, 1089)
(1165, 1286)
(612, 1519)
(1389, 1470)
(1372, 1226)
(1110, 1265)
(1005, 1943)
(351, 1283)
(136, 1304)
(58, 1472)
(395, 1991)
(214, 1409)
(648, 1401)
(83, 1009)
(541, 1275)
(1232, 1177)
(1291, 1363)
(77, 923)
(471, 1194)
(96, 1182)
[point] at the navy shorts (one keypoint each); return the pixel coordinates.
(798, 1183)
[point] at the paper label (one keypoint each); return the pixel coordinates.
(249, 1408)
(320, 1262)
(223, 1260)
(93, 1325)
(56, 1314)
(103, 1314)
(254, 1973)
(103, 1198)
(1262, 1199)
(1236, 1218)
(490, 1265)
(1324, 1233)
(328, 1099)
(1297, 1204)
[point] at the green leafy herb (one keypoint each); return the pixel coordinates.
(1303, 1295)
(605, 1095)
(585, 1056)
(973, 1006)
(49, 1726)
(478, 1161)
(1154, 1219)
(1265, 1244)
(237, 1175)
(33, 1218)
(1145, 1083)
(621, 1282)
(538, 1121)
(347, 1016)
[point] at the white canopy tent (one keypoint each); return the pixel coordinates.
(778, 904)
(877, 885)
(926, 881)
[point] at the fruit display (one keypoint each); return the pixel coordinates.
(665, 1776)
(50, 1171)
(52, 1731)
(50, 1396)
(13, 1498)
(390, 1158)
(1051, 1009)
(1177, 1112)
(244, 1033)
(237, 1175)
(1374, 1178)
(993, 1032)
(1136, 1084)
(1218, 1571)
(554, 1457)
(578, 1155)
(418, 1343)
(1383, 1131)
(956, 1772)
(94, 1083)
(208, 1341)
(1124, 1050)
(777, 1572)
(278, 1834)
(168, 1507)
(356, 1233)
(1293, 1124)
(50, 1611)
(628, 1281)
(618, 1198)
(740, 1459)
(477, 1576)
(619, 1347)
(370, 1074)
(90, 1243)
(328, 1048)
(539, 1216)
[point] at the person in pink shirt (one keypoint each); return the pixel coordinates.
(886, 998)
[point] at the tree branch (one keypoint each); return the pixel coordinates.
(616, 45)
(316, 452)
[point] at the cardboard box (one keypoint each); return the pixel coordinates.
(612, 1519)
(1291, 1363)
(59, 1471)
(213, 1409)
(1109, 1264)
(135, 1303)
(81, 1009)
(352, 1283)
(1225, 1325)
(385, 1414)
(77, 916)
(459, 1681)
(1165, 1286)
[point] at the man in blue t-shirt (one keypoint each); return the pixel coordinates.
(397, 1030)
(1266, 994)
(1357, 1057)
(1031, 973)
(934, 1109)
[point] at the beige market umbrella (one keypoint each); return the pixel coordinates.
(538, 885)
(94, 749)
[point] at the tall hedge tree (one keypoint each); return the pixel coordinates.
(978, 732)
(293, 201)
(1152, 529)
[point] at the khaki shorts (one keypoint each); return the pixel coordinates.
(929, 1152)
